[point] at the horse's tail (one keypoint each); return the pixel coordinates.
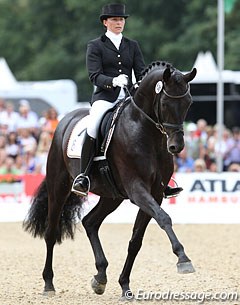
(37, 219)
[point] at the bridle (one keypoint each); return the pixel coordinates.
(161, 125)
(177, 96)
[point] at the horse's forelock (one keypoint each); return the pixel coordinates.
(178, 77)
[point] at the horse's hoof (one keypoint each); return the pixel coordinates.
(127, 296)
(184, 268)
(49, 293)
(97, 287)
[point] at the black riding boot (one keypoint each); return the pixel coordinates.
(172, 191)
(81, 184)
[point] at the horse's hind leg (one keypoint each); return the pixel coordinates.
(134, 246)
(91, 223)
(57, 197)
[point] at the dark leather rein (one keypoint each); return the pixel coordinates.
(160, 126)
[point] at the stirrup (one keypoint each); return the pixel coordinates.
(177, 193)
(77, 192)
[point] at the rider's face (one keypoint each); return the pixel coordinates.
(115, 24)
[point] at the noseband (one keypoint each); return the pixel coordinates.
(161, 126)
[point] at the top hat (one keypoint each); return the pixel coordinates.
(113, 10)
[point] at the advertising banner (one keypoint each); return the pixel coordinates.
(15, 195)
(206, 198)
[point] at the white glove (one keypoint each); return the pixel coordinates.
(120, 81)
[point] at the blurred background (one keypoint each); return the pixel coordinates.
(46, 40)
(43, 76)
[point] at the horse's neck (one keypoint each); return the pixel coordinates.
(143, 98)
(146, 92)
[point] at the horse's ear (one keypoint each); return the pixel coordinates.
(166, 75)
(190, 76)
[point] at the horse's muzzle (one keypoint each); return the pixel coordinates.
(175, 143)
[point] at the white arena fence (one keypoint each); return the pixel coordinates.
(207, 198)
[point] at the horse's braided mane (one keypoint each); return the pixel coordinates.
(156, 65)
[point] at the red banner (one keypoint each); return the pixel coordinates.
(15, 184)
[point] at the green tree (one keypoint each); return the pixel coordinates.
(45, 39)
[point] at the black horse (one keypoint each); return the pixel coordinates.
(148, 132)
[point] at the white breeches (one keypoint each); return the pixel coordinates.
(96, 113)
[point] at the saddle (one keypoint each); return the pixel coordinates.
(105, 134)
(106, 131)
(108, 124)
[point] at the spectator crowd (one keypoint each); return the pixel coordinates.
(25, 139)
(202, 149)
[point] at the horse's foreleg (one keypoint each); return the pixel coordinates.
(134, 246)
(184, 264)
(91, 223)
(147, 203)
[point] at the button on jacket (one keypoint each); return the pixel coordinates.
(105, 61)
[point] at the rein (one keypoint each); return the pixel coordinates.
(158, 125)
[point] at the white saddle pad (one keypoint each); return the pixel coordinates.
(76, 138)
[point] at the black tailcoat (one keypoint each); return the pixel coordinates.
(105, 61)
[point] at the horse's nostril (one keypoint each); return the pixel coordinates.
(172, 148)
(175, 149)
